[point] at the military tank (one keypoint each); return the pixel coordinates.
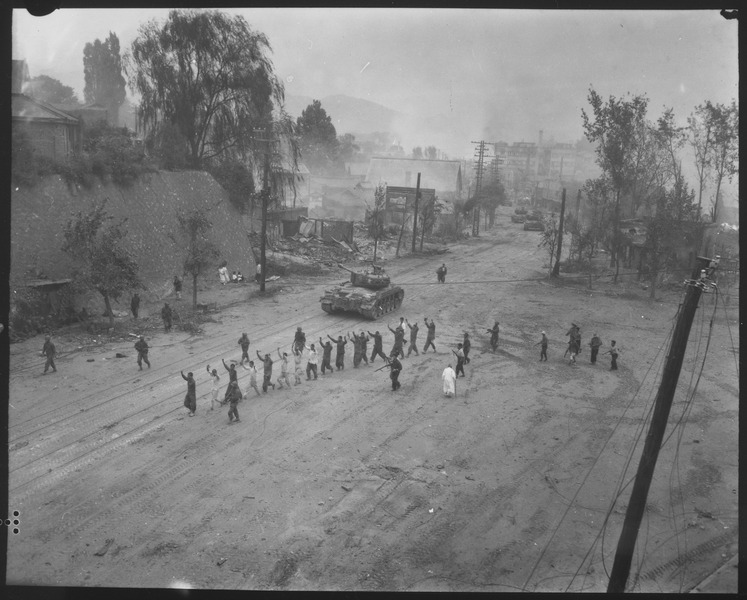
(369, 293)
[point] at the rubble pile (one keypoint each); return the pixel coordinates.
(300, 252)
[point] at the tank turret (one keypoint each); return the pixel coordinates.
(369, 293)
(374, 280)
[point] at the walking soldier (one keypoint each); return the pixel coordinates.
(595, 344)
(543, 347)
(142, 352)
(190, 400)
(494, 336)
(166, 316)
(49, 351)
(244, 343)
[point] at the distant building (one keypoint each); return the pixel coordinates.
(444, 176)
(52, 132)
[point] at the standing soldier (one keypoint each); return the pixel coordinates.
(215, 387)
(395, 370)
(441, 273)
(326, 355)
(466, 345)
(283, 370)
(49, 351)
(460, 360)
(340, 355)
(299, 341)
(267, 381)
(178, 287)
(413, 338)
(244, 343)
(142, 352)
(614, 353)
(252, 376)
(166, 316)
(595, 344)
(543, 347)
(377, 347)
(430, 336)
(494, 336)
(297, 360)
(234, 395)
(190, 400)
(311, 363)
(399, 338)
(232, 376)
(135, 304)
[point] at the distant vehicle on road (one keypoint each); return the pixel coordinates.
(534, 226)
(520, 211)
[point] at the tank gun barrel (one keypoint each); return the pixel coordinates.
(345, 268)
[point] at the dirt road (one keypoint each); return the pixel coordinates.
(342, 484)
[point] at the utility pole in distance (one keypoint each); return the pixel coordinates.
(415, 218)
(556, 267)
(704, 269)
(265, 201)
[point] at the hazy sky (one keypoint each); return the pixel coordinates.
(504, 74)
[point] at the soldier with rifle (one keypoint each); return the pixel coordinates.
(395, 369)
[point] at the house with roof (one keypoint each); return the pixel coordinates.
(52, 132)
(445, 176)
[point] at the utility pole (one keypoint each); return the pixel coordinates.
(265, 201)
(700, 282)
(480, 154)
(556, 267)
(415, 218)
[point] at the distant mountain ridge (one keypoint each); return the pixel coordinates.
(348, 114)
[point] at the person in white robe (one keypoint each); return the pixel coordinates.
(449, 378)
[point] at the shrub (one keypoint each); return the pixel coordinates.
(235, 177)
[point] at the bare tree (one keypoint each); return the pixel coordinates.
(375, 216)
(97, 244)
(549, 238)
(201, 251)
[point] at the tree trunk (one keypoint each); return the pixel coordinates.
(376, 245)
(108, 305)
(616, 255)
(194, 291)
(715, 201)
(655, 277)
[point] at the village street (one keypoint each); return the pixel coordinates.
(342, 484)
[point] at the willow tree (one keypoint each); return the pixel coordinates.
(208, 74)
